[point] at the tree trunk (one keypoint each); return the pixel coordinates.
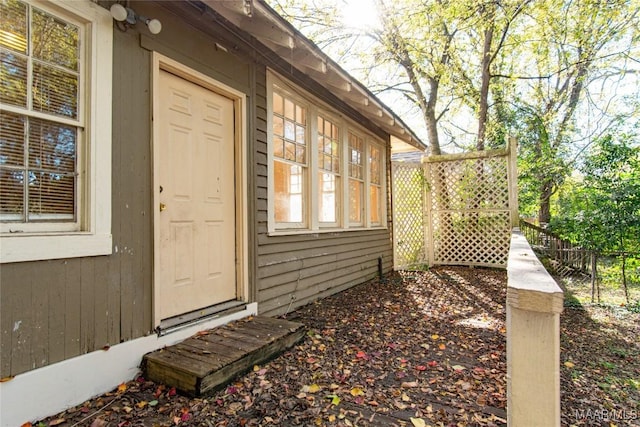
(484, 89)
(624, 277)
(594, 275)
(546, 191)
(430, 118)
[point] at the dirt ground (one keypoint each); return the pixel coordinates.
(414, 349)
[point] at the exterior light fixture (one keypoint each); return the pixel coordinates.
(128, 18)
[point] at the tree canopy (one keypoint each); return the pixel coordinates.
(554, 73)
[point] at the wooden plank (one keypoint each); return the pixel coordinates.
(278, 323)
(212, 361)
(176, 360)
(100, 302)
(72, 309)
(222, 376)
(16, 328)
(206, 361)
(56, 311)
(87, 305)
(263, 335)
(165, 374)
(39, 307)
(244, 338)
(233, 344)
(213, 348)
(113, 300)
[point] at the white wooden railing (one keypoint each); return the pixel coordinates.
(534, 304)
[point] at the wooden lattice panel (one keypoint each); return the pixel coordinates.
(454, 210)
(469, 211)
(409, 216)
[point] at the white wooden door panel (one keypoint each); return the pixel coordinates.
(197, 201)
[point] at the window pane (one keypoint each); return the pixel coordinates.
(356, 146)
(54, 40)
(328, 146)
(13, 25)
(278, 107)
(51, 196)
(278, 147)
(52, 170)
(289, 194)
(13, 78)
(11, 139)
(374, 164)
(374, 204)
(301, 154)
(52, 146)
(328, 211)
(301, 115)
(289, 151)
(289, 109)
(11, 195)
(278, 126)
(355, 201)
(300, 134)
(55, 91)
(289, 130)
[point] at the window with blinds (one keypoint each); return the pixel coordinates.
(40, 116)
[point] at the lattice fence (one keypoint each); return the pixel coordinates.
(455, 209)
(409, 215)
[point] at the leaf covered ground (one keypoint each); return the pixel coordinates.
(414, 349)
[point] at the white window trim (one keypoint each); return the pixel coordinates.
(316, 107)
(95, 237)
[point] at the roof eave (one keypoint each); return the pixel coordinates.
(267, 26)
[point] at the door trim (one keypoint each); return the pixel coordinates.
(161, 62)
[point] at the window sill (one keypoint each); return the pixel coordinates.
(37, 247)
(322, 231)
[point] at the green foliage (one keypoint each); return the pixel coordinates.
(602, 211)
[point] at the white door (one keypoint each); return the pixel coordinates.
(197, 201)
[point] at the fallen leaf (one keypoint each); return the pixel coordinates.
(98, 422)
(442, 346)
(458, 368)
(57, 422)
(418, 422)
(122, 388)
(313, 388)
(435, 337)
(410, 384)
(569, 364)
(357, 391)
(335, 399)
(153, 403)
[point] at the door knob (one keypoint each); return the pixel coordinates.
(162, 207)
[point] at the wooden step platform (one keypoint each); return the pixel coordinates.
(212, 358)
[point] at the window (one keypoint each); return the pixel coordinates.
(307, 136)
(375, 185)
(54, 156)
(356, 178)
(328, 171)
(290, 160)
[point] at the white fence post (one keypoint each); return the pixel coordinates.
(534, 304)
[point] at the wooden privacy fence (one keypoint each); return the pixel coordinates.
(455, 209)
